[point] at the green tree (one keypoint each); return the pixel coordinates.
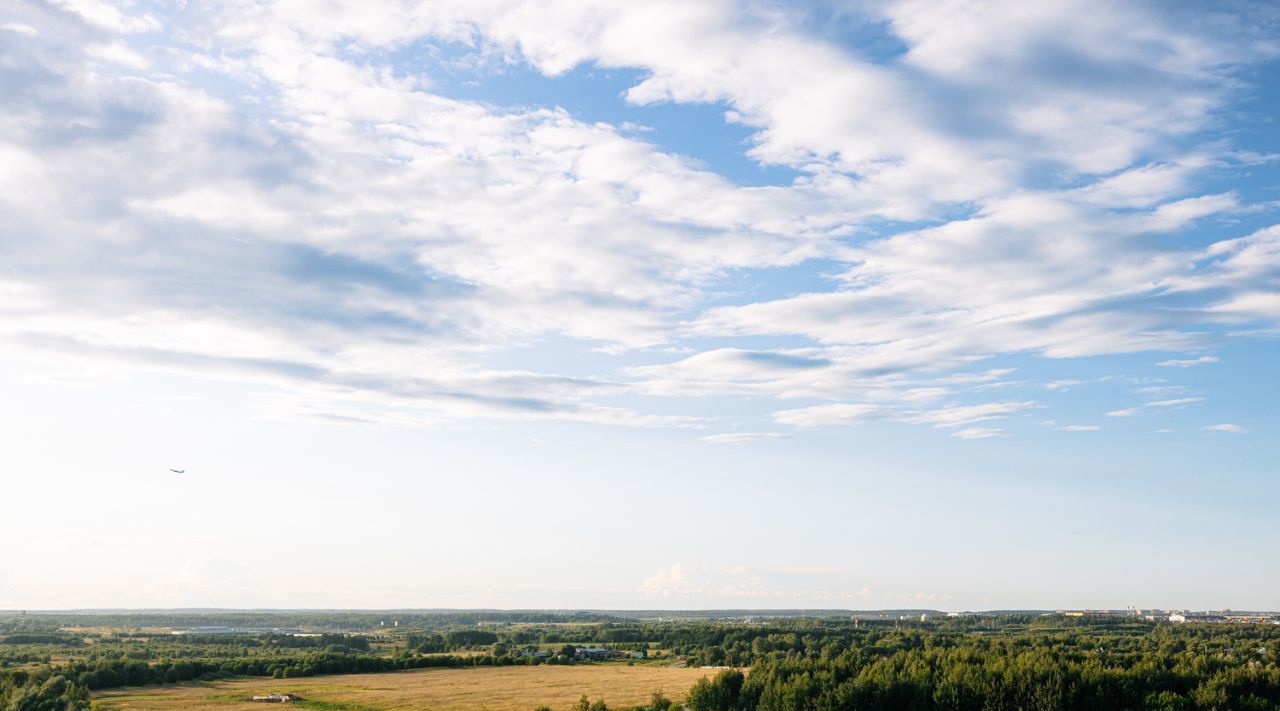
(718, 694)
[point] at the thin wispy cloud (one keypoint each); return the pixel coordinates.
(742, 437)
(977, 432)
(1187, 362)
(1155, 405)
(966, 414)
(825, 415)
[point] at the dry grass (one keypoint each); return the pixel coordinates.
(478, 689)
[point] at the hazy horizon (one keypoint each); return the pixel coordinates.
(606, 305)
(767, 612)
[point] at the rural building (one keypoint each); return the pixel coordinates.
(594, 653)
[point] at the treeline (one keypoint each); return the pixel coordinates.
(349, 641)
(733, 640)
(47, 692)
(711, 643)
(335, 620)
(998, 678)
(68, 640)
(105, 673)
(959, 680)
(657, 703)
(977, 674)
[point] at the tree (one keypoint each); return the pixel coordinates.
(57, 693)
(718, 694)
(658, 702)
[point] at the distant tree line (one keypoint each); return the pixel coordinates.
(336, 621)
(105, 673)
(69, 640)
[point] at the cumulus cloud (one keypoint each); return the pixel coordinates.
(667, 582)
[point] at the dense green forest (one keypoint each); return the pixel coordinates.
(983, 663)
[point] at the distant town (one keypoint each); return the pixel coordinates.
(1220, 616)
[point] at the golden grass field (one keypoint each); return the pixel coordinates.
(476, 689)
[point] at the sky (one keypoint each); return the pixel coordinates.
(568, 304)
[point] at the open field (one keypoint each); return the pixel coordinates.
(517, 688)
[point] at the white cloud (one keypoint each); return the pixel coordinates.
(107, 16)
(319, 221)
(1067, 384)
(741, 437)
(1080, 428)
(1226, 427)
(1156, 404)
(19, 28)
(119, 53)
(450, 272)
(944, 417)
(1176, 214)
(1187, 363)
(965, 414)
(827, 415)
(668, 582)
(1175, 402)
(977, 433)
(1158, 390)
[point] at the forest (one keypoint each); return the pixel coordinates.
(978, 663)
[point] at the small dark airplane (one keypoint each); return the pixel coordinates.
(178, 471)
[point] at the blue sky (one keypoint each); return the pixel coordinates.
(858, 305)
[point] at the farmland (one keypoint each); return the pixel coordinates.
(364, 661)
(478, 689)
